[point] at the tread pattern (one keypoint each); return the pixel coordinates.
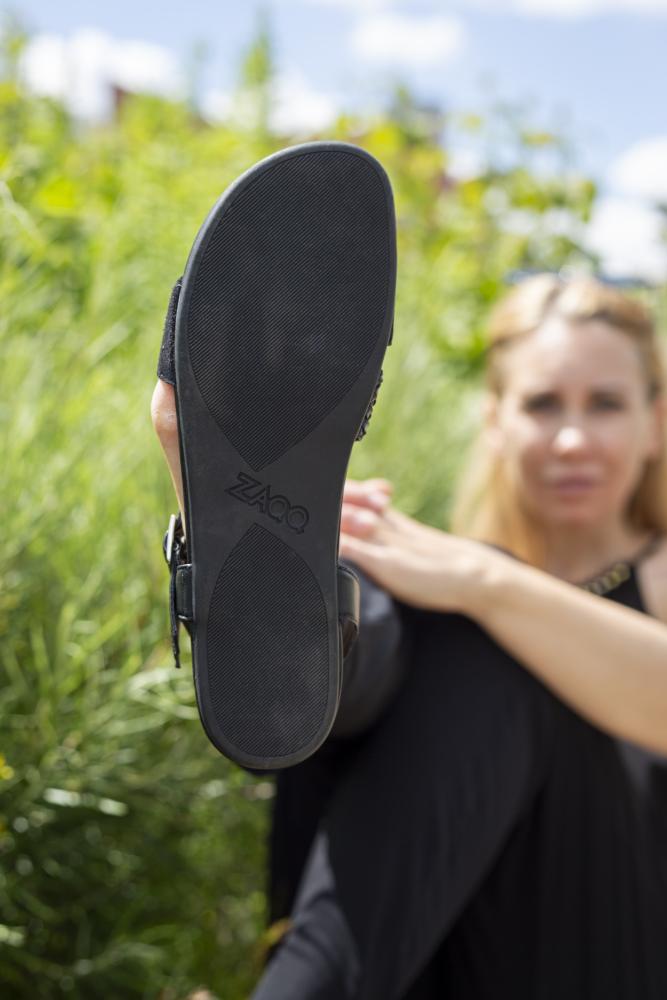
(274, 348)
(267, 647)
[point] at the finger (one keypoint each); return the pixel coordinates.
(379, 483)
(359, 521)
(372, 481)
(368, 493)
(165, 425)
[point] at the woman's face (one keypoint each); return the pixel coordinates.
(573, 424)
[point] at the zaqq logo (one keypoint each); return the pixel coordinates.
(274, 505)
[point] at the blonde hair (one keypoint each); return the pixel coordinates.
(486, 504)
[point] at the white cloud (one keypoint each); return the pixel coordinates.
(463, 163)
(625, 233)
(626, 229)
(355, 5)
(408, 42)
(641, 172)
(219, 106)
(628, 236)
(298, 109)
(573, 8)
(80, 69)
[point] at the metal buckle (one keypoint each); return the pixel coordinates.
(171, 531)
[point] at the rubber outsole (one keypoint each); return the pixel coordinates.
(284, 316)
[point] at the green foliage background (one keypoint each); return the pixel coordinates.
(132, 855)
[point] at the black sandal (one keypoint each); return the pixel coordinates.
(274, 341)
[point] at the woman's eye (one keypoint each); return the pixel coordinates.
(610, 404)
(539, 403)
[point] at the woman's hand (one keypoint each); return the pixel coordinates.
(548, 625)
(416, 563)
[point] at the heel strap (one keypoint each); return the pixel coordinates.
(174, 547)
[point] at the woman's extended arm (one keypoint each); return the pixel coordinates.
(607, 661)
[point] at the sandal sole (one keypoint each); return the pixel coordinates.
(284, 316)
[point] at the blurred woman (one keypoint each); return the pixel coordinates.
(488, 817)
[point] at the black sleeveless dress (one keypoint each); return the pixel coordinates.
(576, 905)
(573, 901)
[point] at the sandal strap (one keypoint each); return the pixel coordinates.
(348, 606)
(166, 367)
(174, 547)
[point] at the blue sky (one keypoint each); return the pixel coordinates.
(606, 73)
(595, 68)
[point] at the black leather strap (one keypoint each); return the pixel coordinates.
(348, 606)
(174, 548)
(183, 592)
(166, 369)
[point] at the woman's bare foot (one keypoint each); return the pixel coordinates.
(165, 425)
(363, 500)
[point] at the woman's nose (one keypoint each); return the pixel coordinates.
(571, 437)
